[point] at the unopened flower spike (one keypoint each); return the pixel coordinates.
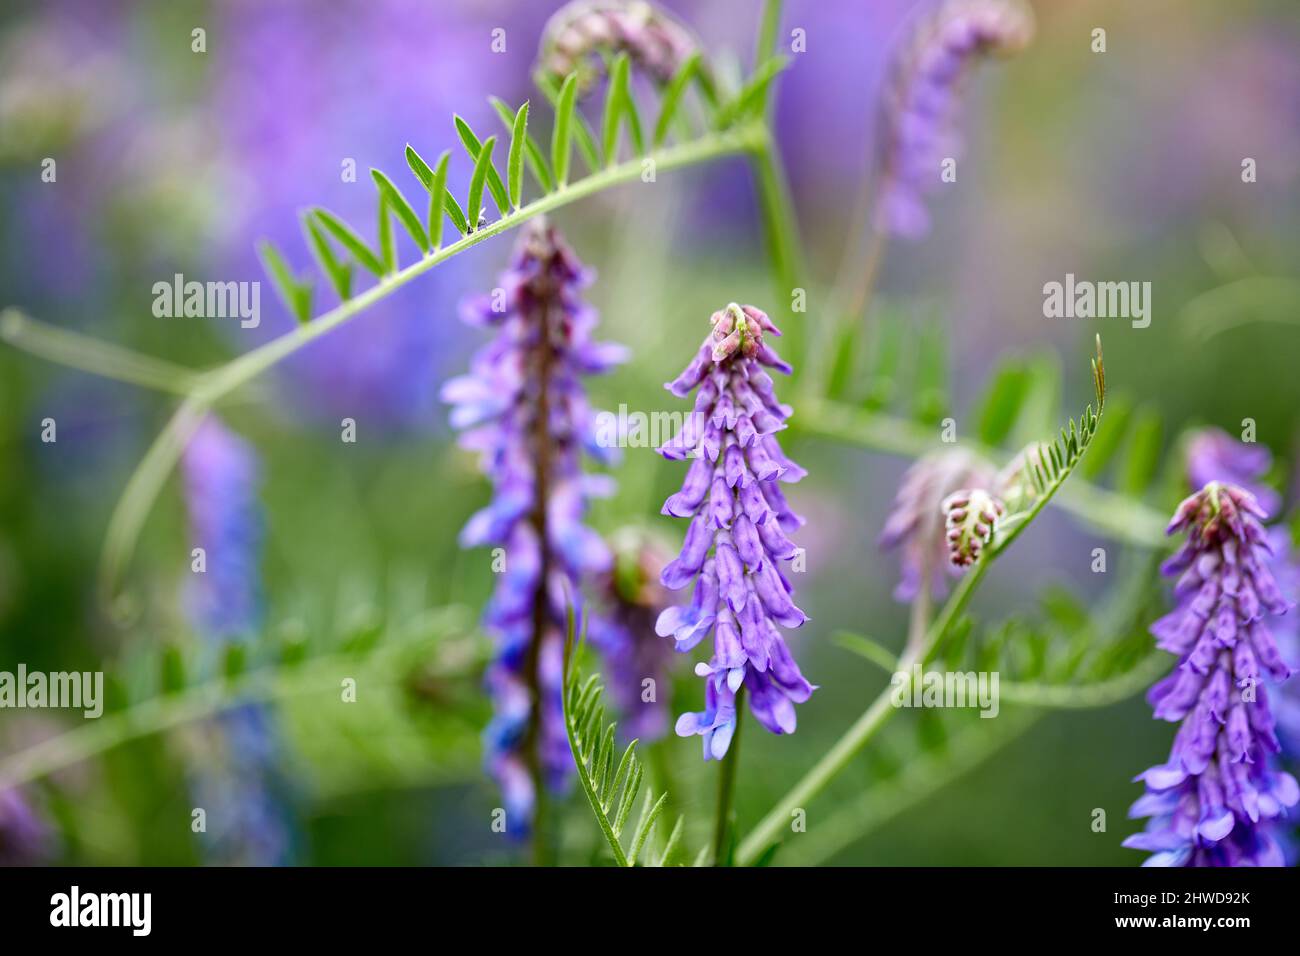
(922, 102)
(917, 523)
(523, 408)
(738, 535)
(970, 520)
(1220, 798)
(582, 34)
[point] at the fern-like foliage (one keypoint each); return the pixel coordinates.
(158, 688)
(611, 781)
(339, 249)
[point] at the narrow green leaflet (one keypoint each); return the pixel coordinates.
(619, 105)
(295, 295)
(338, 271)
(515, 161)
(345, 235)
(532, 152)
(673, 95)
(494, 184)
(397, 202)
(560, 136)
(481, 174)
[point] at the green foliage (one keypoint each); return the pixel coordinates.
(294, 294)
(610, 782)
(170, 685)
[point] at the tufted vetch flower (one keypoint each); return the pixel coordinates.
(1219, 798)
(738, 532)
(523, 409)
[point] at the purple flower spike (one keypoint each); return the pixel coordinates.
(524, 410)
(1219, 799)
(737, 536)
(922, 101)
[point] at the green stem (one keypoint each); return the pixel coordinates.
(727, 786)
(780, 225)
(919, 780)
(1121, 517)
(92, 355)
(845, 309)
(919, 617)
(864, 728)
(765, 49)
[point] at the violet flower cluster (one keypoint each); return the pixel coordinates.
(922, 101)
(1214, 455)
(523, 408)
(1219, 799)
(738, 533)
(236, 778)
(580, 32)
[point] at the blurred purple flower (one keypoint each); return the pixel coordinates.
(622, 628)
(1218, 799)
(523, 408)
(220, 472)
(1214, 455)
(25, 838)
(921, 104)
(582, 33)
(738, 512)
(306, 94)
(236, 779)
(916, 523)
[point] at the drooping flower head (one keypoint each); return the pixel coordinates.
(1218, 800)
(917, 521)
(738, 532)
(235, 770)
(523, 408)
(622, 628)
(921, 104)
(582, 33)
